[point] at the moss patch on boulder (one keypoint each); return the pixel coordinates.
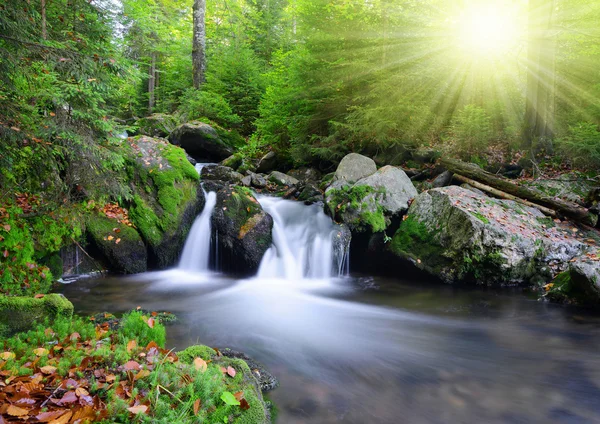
(23, 313)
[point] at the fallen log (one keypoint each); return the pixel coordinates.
(502, 195)
(564, 208)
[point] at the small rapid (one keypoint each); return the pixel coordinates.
(304, 242)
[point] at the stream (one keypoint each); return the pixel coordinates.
(363, 349)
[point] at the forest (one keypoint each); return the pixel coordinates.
(392, 147)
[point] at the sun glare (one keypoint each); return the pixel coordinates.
(488, 30)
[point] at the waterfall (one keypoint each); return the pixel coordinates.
(304, 242)
(196, 252)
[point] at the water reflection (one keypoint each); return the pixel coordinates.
(376, 351)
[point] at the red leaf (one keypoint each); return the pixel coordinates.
(244, 404)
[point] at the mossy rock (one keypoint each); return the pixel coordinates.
(156, 125)
(166, 196)
(23, 313)
(201, 141)
(244, 381)
(244, 229)
(119, 244)
(579, 284)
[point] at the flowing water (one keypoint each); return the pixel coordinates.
(363, 349)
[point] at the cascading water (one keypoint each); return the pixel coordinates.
(304, 242)
(196, 251)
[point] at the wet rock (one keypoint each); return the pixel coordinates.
(458, 235)
(442, 180)
(370, 203)
(23, 313)
(580, 283)
(156, 125)
(571, 187)
(282, 179)
(201, 141)
(247, 181)
(306, 175)
(258, 180)
(120, 246)
(310, 194)
(233, 161)
(221, 173)
(353, 167)
(244, 229)
(267, 163)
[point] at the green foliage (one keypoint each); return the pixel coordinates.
(471, 131)
(581, 145)
(135, 325)
(361, 202)
(207, 105)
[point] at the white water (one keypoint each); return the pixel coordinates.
(196, 252)
(303, 242)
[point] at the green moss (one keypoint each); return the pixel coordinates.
(414, 240)
(22, 313)
(135, 325)
(548, 222)
(352, 198)
(197, 351)
(479, 266)
(242, 207)
(480, 217)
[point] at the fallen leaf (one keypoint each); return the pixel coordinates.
(197, 404)
(40, 351)
(6, 227)
(45, 417)
(63, 419)
(110, 238)
(151, 322)
(132, 344)
(141, 374)
(244, 404)
(229, 399)
(131, 365)
(48, 369)
(200, 364)
(80, 391)
(117, 241)
(15, 411)
(7, 355)
(231, 371)
(138, 409)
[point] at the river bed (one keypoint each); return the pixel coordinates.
(371, 350)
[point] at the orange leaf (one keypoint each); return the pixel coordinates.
(48, 369)
(151, 322)
(200, 364)
(131, 345)
(64, 419)
(15, 411)
(197, 404)
(141, 374)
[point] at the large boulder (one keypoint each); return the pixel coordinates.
(372, 202)
(23, 313)
(353, 167)
(243, 229)
(201, 141)
(166, 197)
(156, 125)
(459, 235)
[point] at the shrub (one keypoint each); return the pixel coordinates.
(203, 105)
(581, 145)
(471, 131)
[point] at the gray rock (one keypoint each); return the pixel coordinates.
(259, 181)
(399, 190)
(306, 175)
(267, 163)
(370, 203)
(221, 173)
(310, 194)
(201, 141)
(353, 167)
(247, 181)
(473, 189)
(442, 180)
(458, 235)
(282, 179)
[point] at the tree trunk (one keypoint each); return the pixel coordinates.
(43, 13)
(151, 83)
(568, 209)
(199, 43)
(541, 54)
